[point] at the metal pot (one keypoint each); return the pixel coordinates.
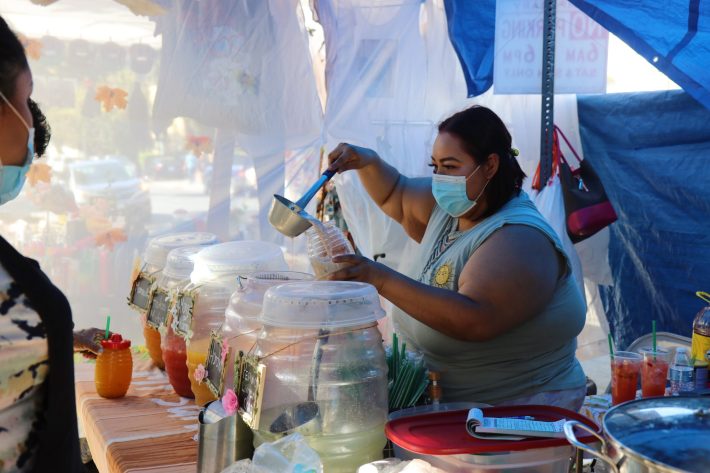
(665, 434)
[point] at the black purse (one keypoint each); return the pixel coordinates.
(587, 206)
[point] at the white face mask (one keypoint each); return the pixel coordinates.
(450, 193)
(12, 178)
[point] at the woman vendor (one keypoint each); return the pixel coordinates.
(489, 297)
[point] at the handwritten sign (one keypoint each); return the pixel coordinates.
(158, 309)
(139, 298)
(182, 317)
(251, 388)
(580, 49)
(215, 365)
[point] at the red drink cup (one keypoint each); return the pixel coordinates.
(625, 368)
(654, 371)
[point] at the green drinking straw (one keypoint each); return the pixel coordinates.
(108, 324)
(611, 347)
(653, 331)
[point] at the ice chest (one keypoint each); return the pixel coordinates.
(441, 439)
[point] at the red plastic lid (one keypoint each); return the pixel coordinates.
(116, 342)
(444, 433)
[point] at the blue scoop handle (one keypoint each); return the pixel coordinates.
(325, 177)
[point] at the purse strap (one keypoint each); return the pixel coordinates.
(569, 145)
(557, 156)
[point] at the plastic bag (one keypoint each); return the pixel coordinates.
(394, 465)
(290, 454)
(243, 466)
(551, 205)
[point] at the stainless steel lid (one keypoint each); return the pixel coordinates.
(669, 431)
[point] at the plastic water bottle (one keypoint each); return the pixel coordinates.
(681, 373)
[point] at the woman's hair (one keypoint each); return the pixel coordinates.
(483, 133)
(13, 62)
(43, 132)
(12, 59)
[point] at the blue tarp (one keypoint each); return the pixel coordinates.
(673, 35)
(652, 151)
(471, 27)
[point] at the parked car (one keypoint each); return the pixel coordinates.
(113, 181)
(165, 167)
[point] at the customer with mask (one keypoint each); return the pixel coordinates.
(38, 426)
(489, 297)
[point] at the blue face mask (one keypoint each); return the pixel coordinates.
(450, 193)
(12, 178)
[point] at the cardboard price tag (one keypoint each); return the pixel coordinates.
(215, 364)
(158, 309)
(139, 297)
(252, 375)
(182, 315)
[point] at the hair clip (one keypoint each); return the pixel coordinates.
(514, 152)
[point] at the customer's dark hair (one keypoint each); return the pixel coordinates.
(483, 133)
(12, 59)
(43, 132)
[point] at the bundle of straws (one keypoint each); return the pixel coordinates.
(407, 377)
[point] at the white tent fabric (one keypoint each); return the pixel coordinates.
(386, 91)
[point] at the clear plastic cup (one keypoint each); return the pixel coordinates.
(654, 371)
(625, 368)
(326, 241)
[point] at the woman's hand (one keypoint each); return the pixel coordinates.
(346, 157)
(88, 341)
(360, 269)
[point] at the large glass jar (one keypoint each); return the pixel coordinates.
(173, 279)
(154, 258)
(325, 370)
(241, 324)
(212, 282)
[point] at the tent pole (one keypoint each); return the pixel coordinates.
(548, 91)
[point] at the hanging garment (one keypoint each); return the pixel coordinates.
(383, 94)
(241, 65)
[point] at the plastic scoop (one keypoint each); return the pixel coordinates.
(302, 417)
(288, 217)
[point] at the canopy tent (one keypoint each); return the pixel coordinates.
(673, 35)
(474, 46)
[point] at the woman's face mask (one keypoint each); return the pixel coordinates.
(450, 193)
(12, 178)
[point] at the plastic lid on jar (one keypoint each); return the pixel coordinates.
(321, 304)
(247, 300)
(236, 257)
(156, 253)
(181, 261)
(116, 342)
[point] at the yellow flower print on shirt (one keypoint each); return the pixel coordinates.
(443, 275)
